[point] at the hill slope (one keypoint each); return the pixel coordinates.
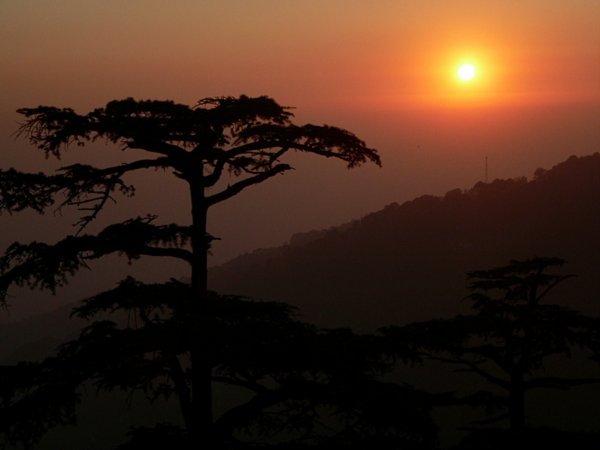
(408, 262)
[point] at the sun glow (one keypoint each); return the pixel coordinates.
(457, 77)
(466, 72)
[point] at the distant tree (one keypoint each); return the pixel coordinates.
(242, 139)
(510, 335)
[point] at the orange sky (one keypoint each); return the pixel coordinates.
(386, 52)
(383, 69)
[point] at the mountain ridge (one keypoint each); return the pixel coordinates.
(351, 275)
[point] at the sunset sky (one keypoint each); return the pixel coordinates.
(385, 70)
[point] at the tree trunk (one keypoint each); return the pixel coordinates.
(200, 325)
(516, 403)
(183, 391)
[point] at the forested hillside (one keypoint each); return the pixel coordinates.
(408, 262)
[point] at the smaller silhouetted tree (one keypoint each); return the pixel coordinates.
(510, 335)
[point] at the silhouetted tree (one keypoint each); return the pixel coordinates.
(244, 139)
(303, 387)
(510, 335)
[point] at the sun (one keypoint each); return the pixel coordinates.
(466, 72)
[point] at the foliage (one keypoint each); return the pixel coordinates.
(45, 266)
(176, 327)
(308, 387)
(510, 335)
(244, 137)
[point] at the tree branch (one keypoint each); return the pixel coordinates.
(177, 253)
(472, 367)
(48, 266)
(161, 147)
(558, 383)
(552, 286)
(236, 188)
(81, 185)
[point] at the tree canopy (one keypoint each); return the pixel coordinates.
(244, 137)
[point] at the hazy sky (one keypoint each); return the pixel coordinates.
(382, 69)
